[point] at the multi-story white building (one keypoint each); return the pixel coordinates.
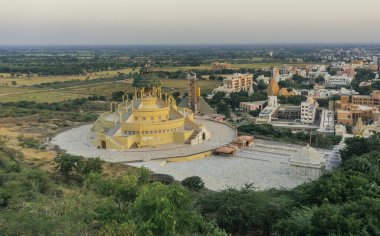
(268, 112)
(326, 93)
(264, 79)
(338, 80)
(327, 124)
(308, 111)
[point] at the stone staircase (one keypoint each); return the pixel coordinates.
(193, 136)
(117, 144)
(114, 129)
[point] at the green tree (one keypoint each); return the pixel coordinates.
(261, 86)
(255, 113)
(217, 98)
(368, 164)
(91, 165)
(354, 218)
(115, 228)
(163, 210)
(337, 188)
(284, 84)
(354, 146)
(235, 99)
(117, 96)
(299, 79)
(176, 94)
(245, 211)
(123, 190)
(143, 175)
(297, 224)
(66, 163)
(193, 183)
(320, 80)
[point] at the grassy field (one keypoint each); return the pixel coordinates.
(25, 81)
(264, 65)
(253, 65)
(43, 96)
(173, 85)
(9, 89)
(183, 68)
(43, 159)
(168, 85)
(5, 74)
(114, 72)
(21, 81)
(102, 89)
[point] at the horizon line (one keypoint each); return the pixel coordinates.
(192, 44)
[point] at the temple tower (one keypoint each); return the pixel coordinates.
(273, 89)
(194, 92)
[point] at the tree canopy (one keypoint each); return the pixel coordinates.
(146, 81)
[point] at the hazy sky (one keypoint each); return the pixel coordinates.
(39, 22)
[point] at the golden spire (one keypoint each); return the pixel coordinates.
(273, 88)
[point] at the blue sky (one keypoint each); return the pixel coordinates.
(31, 22)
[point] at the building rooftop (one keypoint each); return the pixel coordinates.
(226, 150)
(254, 103)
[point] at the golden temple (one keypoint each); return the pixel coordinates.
(149, 119)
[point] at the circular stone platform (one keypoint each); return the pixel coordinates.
(77, 141)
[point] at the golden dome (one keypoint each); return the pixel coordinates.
(283, 92)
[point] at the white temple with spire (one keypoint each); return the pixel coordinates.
(307, 162)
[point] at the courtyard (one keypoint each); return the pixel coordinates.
(262, 169)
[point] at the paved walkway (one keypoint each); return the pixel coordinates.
(77, 141)
(264, 170)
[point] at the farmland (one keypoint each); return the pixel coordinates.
(13, 94)
(41, 96)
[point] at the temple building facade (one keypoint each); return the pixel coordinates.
(194, 100)
(149, 119)
(366, 130)
(307, 162)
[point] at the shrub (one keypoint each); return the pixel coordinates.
(65, 163)
(29, 142)
(92, 165)
(193, 183)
